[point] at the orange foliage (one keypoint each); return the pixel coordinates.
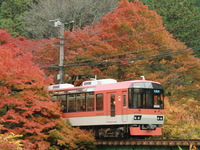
(181, 119)
(125, 30)
(10, 142)
(131, 41)
(26, 108)
(127, 43)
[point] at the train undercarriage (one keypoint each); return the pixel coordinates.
(109, 131)
(118, 131)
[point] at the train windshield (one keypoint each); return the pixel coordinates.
(147, 97)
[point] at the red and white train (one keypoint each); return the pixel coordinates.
(113, 109)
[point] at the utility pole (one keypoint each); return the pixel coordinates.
(61, 64)
(61, 25)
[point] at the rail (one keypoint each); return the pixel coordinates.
(184, 142)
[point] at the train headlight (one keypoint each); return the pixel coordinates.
(160, 118)
(137, 117)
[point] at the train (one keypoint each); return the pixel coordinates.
(113, 109)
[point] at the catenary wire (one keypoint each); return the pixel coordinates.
(149, 57)
(125, 37)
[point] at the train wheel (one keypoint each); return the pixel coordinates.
(121, 134)
(101, 134)
(96, 133)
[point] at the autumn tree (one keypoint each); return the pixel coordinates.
(37, 47)
(181, 119)
(26, 108)
(131, 41)
(10, 141)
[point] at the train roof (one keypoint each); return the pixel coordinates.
(127, 84)
(112, 86)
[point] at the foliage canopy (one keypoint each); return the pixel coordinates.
(26, 108)
(130, 42)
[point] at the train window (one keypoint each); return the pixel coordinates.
(124, 100)
(112, 105)
(145, 98)
(135, 98)
(149, 98)
(81, 102)
(161, 102)
(89, 101)
(158, 101)
(54, 98)
(99, 102)
(130, 97)
(63, 102)
(61, 98)
(156, 98)
(146, 85)
(137, 91)
(137, 103)
(71, 99)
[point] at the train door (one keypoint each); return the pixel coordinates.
(124, 106)
(111, 108)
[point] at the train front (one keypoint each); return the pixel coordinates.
(146, 108)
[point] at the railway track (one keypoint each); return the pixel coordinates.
(110, 142)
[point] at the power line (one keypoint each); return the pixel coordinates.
(134, 52)
(125, 37)
(125, 53)
(155, 56)
(134, 59)
(141, 34)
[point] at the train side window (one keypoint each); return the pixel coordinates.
(162, 101)
(63, 102)
(136, 98)
(71, 100)
(89, 101)
(112, 105)
(124, 100)
(81, 103)
(137, 101)
(54, 98)
(130, 98)
(99, 102)
(149, 99)
(144, 100)
(158, 101)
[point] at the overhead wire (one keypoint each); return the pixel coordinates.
(134, 59)
(124, 53)
(125, 37)
(146, 33)
(133, 52)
